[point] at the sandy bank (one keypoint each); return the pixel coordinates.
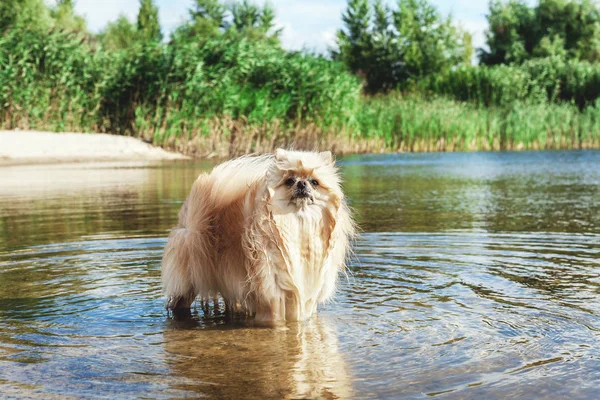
(33, 147)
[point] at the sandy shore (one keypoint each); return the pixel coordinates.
(33, 147)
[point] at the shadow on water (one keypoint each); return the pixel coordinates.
(476, 275)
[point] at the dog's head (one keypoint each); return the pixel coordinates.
(300, 179)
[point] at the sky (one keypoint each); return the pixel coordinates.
(307, 24)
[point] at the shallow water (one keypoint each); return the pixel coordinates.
(476, 275)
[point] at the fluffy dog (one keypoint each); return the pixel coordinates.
(270, 234)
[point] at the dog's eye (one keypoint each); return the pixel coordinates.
(314, 182)
(290, 181)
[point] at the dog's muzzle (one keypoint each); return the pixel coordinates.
(302, 191)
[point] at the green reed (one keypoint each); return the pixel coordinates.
(414, 123)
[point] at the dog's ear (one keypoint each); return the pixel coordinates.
(326, 157)
(280, 155)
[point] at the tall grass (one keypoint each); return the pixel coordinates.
(231, 95)
(53, 81)
(439, 124)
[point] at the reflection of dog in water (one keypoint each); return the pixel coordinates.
(270, 234)
(300, 361)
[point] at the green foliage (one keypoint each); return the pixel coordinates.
(51, 78)
(123, 34)
(267, 18)
(439, 124)
(207, 19)
(575, 23)
(511, 33)
(357, 46)
(210, 10)
(245, 15)
(388, 47)
(64, 17)
(225, 71)
(565, 28)
(429, 43)
(31, 13)
(354, 42)
(469, 51)
(59, 78)
(210, 19)
(118, 35)
(541, 80)
(495, 86)
(250, 20)
(148, 27)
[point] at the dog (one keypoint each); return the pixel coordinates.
(270, 234)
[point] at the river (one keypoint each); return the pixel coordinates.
(475, 275)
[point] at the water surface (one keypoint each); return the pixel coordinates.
(476, 275)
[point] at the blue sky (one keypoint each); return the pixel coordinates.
(307, 24)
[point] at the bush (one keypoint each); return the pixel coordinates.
(535, 81)
(59, 81)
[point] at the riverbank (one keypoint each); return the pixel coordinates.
(431, 129)
(35, 147)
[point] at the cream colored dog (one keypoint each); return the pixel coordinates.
(268, 233)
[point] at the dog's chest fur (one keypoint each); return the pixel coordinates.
(304, 243)
(304, 236)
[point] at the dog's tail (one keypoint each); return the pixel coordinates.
(187, 269)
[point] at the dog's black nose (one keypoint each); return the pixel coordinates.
(301, 185)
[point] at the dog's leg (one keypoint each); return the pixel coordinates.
(177, 282)
(292, 307)
(177, 303)
(187, 262)
(268, 312)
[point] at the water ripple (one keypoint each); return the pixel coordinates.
(476, 276)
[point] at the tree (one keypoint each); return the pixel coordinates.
(512, 32)
(267, 18)
(354, 42)
(65, 18)
(388, 47)
(118, 35)
(148, 26)
(210, 10)
(30, 13)
(386, 60)
(574, 23)
(429, 43)
(252, 21)
(207, 19)
(563, 28)
(35, 14)
(122, 33)
(210, 18)
(245, 15)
